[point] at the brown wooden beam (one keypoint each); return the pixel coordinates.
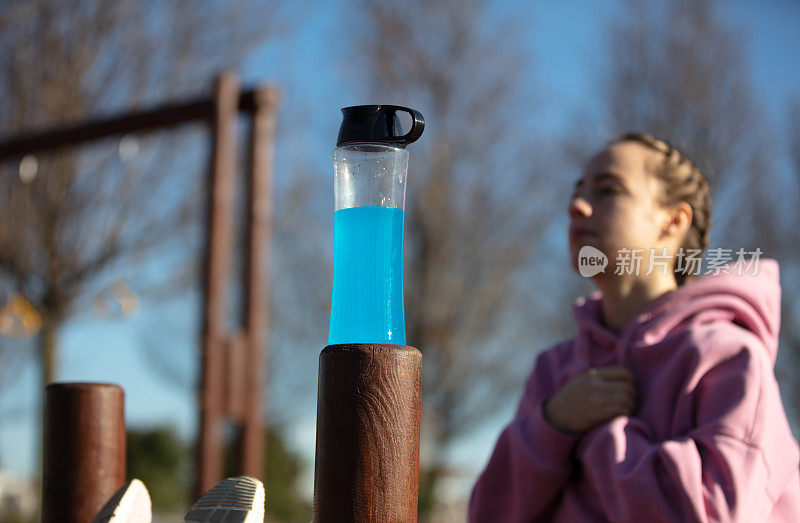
(369, 405)
(262, 138)
(217, 273)
(150, 120)
(84, 449)
(236, 365)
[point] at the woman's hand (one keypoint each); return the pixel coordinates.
(592, 398)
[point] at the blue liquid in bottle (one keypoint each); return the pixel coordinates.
(367, 302)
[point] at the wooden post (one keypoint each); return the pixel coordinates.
(368, 420)
(84, 449)
(256, 318)
(218, 251)
(236, 368)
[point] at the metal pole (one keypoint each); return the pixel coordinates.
(257, 278)
(368, 416)
(218, 250)
(84, 449)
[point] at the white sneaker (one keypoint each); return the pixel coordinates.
(232, 500)
(130, 504)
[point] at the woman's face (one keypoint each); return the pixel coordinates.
(615, 205)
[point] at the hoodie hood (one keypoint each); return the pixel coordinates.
(749, 295)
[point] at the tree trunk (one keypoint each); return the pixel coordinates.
(47, 350)
(47, 344)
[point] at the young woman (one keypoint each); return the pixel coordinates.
(665, 406)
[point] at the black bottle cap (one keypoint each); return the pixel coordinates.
(378, 124)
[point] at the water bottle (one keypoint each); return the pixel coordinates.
(370, 164)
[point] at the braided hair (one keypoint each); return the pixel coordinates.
(681, 181)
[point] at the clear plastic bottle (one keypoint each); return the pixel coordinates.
(370, 166)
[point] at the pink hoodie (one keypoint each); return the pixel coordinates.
(709, 440)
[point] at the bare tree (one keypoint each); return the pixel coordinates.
(479, 205)
(678, 72)
(81, 214)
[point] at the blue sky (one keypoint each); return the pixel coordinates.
(565, 45)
